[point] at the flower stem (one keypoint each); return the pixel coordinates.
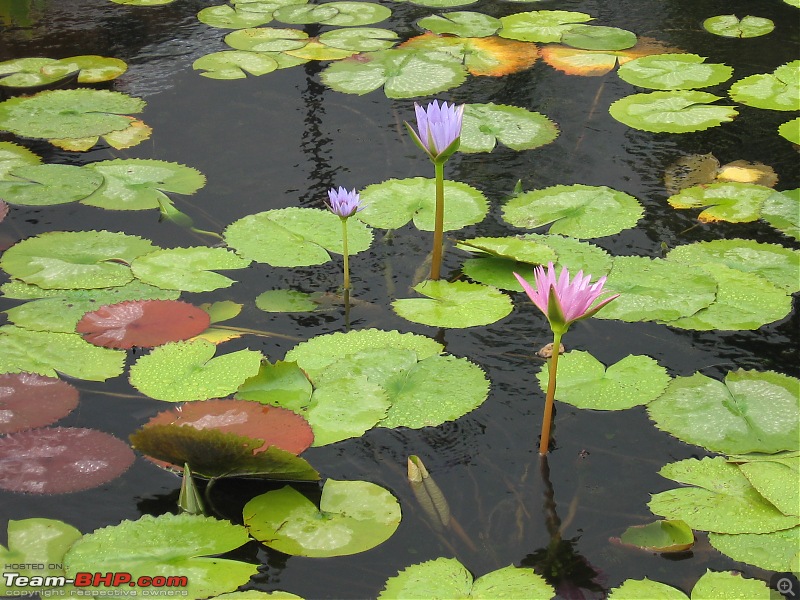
(346, 255)
(436, 259)
(547, 419)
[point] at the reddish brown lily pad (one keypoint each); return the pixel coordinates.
(28, 401)
(61, 459)
(143, 323)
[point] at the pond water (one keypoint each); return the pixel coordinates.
(284, 139)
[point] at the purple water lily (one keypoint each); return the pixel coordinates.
(342, 203)
(438, 130)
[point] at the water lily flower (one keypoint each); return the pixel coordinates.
(342, 203)
(563, 302)
(438, 129)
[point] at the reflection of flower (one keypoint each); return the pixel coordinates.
(438, 129)
(563, 301)
(343, 203)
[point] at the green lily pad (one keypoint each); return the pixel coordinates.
(519, 129)
(235, 64)
(440, 3)
(75, 259)
(267, 39)
(723, 501)
(678, 111)
(636, 589)
(13, 156)
(584, 382)
(47, 185)
(673, 72)
(462, 24)
(393, 203)
(782, 210)
(448, 578)
(68, 113)
(540, 25)
(340, 14)
(48, 353)
(457, 304)
(353, 516)
(733, 202)
(731, 26)
(26, 72)
(139, 184)
(523, 249)
(403, 72)
(749, 412)
(294, 237)
(90, 68)
(187, 269)
(359, 39)
(648, 293)
(711, 586)
(184, 371)
(581, 211)
(775, 263)
(169, 545)
(772, 551)
(791, 130)
(286, 301)
(594, 37)
(778, 481)
(660, 536)
(779, 90)
(233, 17)
(283, 384)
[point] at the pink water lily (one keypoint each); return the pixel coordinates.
(561, 300)
(438, 130)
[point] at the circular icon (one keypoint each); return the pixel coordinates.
(785, 586)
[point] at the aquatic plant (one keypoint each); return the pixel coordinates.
(344, 205)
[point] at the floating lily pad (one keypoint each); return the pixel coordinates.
(647, 290)
(486, 124)
(267, 39)
(782, 211)
(540, 25)
(673, 72)
(522, 249)
(393, 203)
(75, 259)
(13, 156)
(731, 26)
(749, 412)
(138, 184)
(580, 211)
(135, 133)
(791, 130)
(235, 64)
(403, 72)
(285, 301)
(234, 17)
(772, 551)
(461, 23)
(679, 111)
(293, 237)
(60, 460)
(777, 480)
(440, 3)
(742, 171)
(353, 516)
(660, 536)
(182, 371)
(584, 382)
(28, 401)
(48, 353)
(91, 68)
(779, 90)
(732, 202)
(723, 501)
(68, 113)
(594, 37)
(711, 585)
(187, 269)
(47, 185)
(575, 61)
(457, 304)
(339, 14)
(283, 384)
(165, 546)
(26, 72)
(448, 578)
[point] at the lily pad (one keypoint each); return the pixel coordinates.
(717, 586)
(678, 111)
(339, 14)
(135, 133)
(187, 269)
(594, 37)
(779, 90)
(13, 156)
(580, 211)
(353, 516)
(28, 401)
(47, 185)
(286, 301)
(660, 536)
(234, 17)
(267, 39)
(68, 113)
(673, 72)
(782, 211)
(293, 237)
(540, 25)
(235, 64)
(167, 545)
(393, 203)
(732, 202)
(647, 290)
(731, 26)
(575, 61)
(281, 384)
(486, 124)
(60, 460)
(723, 501)
(772, 551)
(182, 371)
(584, 382)
(47, 353)
(791, 130)
(749, 412)
(777, 480)
(461, 23)
(26, 72)
(457, 304)
(448, 578)
(90, 67)
(75, 259)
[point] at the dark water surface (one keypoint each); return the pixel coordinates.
(282, 140)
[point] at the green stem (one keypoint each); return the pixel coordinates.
(346, 255)
(436, 259)
(547, 419)
(255, 332)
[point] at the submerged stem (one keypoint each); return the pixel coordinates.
(547, 418)
(436, 259)
(346, 255)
